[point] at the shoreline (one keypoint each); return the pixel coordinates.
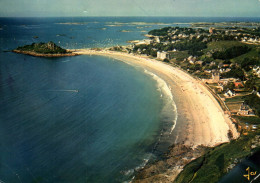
(206, 123)
(201, 121)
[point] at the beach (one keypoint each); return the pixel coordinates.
(201, 120)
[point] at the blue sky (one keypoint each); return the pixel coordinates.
(208, 8)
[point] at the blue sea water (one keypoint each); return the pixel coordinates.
(83, 118)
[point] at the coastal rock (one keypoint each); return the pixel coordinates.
(49, 49)
(171, 164)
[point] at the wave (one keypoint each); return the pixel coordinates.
(170, 109)
(130, 173)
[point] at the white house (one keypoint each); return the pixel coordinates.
(163, 55)
(157, 39)
(229, 93)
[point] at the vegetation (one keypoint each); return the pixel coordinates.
(159, 32)
(248, 119)
(231, 52)
(254, 53)
(194, 47)
(43, 48)
(236, 72)
(254, 102)
(214, 164)
(222, 45)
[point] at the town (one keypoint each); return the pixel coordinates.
(225, 58)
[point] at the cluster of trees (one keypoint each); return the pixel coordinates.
(180, 30)
(160, 32)
(223, 37)
(247, 63)
(230, 53)
(44, 48)
(254, 102)
(194, 47)
(255, 31)
(236, 72)
(147, 49)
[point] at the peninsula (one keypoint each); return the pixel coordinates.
(49, 49)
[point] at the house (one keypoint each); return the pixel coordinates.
(192, 59)
(227, 80)
(245, 110)
(205, 39)
(219, 88)
(215, 76)
(207, 71)
(254, 127)
(229, 93)
(226, 65)
(157, 39)
(163, 55)
(256, 70)
(199, 62)
(258, 94)
(238, 84)
(212, 64)
(220, 65)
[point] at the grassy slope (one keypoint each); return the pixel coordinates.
(213, 165)
(251, 54)
(219, 45)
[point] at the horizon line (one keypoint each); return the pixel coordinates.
(129, 16)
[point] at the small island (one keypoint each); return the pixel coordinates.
(49, 49)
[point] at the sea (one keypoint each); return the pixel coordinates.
(84, 118)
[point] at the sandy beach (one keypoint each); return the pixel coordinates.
(201, 120)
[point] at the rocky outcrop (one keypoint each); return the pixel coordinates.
(49, 49)
(171, 164)
(45, 55)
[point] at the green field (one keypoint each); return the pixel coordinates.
(235, 99)
(248, 119)
(220, 45)
(254, 53)
(179, 55)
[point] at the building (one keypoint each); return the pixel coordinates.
(199, 62)
(192, 59)
(145, 41)
(238, 84)
(163, 55)
(215, 76)
(245, 110)
(229, 93)
(157, 39)
(211, 30)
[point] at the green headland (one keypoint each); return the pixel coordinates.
(49, 49)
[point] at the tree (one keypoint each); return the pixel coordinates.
(166, 60)
(251, 82)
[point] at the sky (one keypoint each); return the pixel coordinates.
(68, 8)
